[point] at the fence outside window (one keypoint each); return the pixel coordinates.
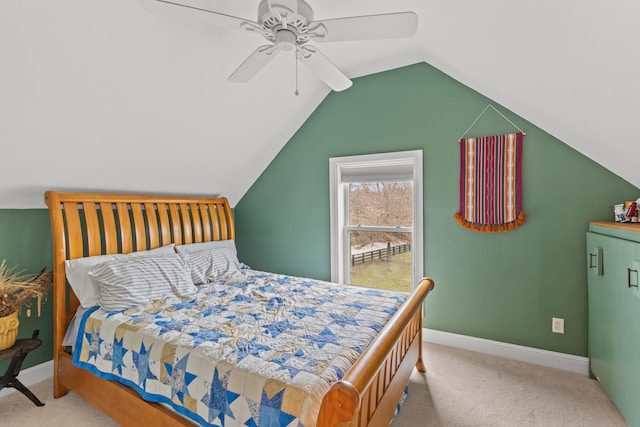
(384, 253)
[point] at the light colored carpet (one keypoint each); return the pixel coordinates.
(464, 388)
(460, 389)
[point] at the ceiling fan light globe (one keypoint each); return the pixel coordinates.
(286, 40)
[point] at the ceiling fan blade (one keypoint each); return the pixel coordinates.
(254, 63)
(169, 8)
(323, 68)
(370, 27)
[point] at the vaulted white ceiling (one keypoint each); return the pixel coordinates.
(100, 95)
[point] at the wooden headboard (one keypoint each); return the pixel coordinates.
(97, 224)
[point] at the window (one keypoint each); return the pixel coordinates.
(376, 219)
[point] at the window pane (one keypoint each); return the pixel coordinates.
(385, 204)
(377, 194)
(381, 260)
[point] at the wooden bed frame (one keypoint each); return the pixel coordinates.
(98, 224)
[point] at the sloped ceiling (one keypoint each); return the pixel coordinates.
(100, 95)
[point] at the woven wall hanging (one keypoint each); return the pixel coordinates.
(491, 182)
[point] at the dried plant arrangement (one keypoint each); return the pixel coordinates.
(18, 290)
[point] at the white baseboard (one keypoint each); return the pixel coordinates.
(567, 362)
(31, 376)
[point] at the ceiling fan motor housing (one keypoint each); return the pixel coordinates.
(280, 22)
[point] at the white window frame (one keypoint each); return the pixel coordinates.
(339, 206)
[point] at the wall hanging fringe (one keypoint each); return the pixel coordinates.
(491, 183)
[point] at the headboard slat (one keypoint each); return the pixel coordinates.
(109, 224)
(139, 227)
(187, 234)
(228, 219)
(213, 211)
(163, 217)
(224, 234)
(94, 245)
(152, 224)
(74, 230)
(197, 224)
(126, 239)
(206, 222)
(176, 225)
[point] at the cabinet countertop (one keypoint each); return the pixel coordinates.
(628, 226)
(621, 230)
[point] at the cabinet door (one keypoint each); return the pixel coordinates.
(600, 307)
(614, 321)
(627, 328)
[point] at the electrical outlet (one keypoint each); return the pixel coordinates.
(557, 325)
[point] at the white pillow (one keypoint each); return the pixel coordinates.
(85, 288)
(212, 264)
(194, 247)
(140, 280)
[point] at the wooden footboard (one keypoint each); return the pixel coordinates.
(122, 404)
(98, 224)
(369, 393)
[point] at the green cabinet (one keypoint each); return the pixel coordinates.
(613, 261)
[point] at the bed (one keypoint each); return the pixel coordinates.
(88, 225)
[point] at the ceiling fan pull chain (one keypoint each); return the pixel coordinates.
(295, 57)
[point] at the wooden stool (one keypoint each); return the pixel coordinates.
(17, 353)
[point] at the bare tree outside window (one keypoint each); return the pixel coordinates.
(381, 257)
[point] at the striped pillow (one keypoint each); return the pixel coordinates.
(85, 288)
(213, 245)
(140, 280)
(209, 265)
(201, 264)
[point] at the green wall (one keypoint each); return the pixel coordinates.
(25, 242)
(498, 286)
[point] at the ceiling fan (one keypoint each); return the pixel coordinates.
(289, 25)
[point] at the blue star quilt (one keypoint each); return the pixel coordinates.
(259, 349)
